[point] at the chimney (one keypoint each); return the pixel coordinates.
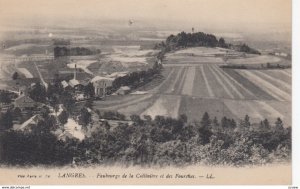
(75, 73)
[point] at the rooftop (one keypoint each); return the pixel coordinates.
(74, 82)
(97, 78)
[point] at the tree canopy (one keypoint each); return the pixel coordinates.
(199, 39)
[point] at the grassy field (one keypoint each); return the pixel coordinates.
(193, 89)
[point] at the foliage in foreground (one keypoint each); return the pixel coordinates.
(162, 141)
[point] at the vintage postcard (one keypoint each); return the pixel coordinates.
(145, 92)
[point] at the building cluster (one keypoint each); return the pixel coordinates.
(100, 84)
(76, 84)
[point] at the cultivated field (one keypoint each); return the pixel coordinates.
(194, 84)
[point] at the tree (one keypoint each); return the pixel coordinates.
(136, 119)
(204, 132)
(232, 124)
(222, 42)
(215, 124)
(224, 123)
(67, 100)
(38, 93)
(45, 111)
(148, 119)
(206, 121)
(245, 123)
(85, 117)
(265, 125)
(89, 90)
(6, 120)
(279, 125)
(106, 125)
(51, 123)
(183, 118)
(5, 97)
(15, 76)
(228, 124)
(63, 117)
(17, 113)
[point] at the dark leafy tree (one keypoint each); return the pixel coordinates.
(17, 113)
(15, 76)
(89, 90)
(245, 123)
(183, 40)
(232, 124)
(67, 100)
(45, 111)
(137, 120)
(245, 48)
(206, 121)
(63, 117)
(222, 43)
(187, 133)
(183, 118)
(76, 51)
(38, 93)
(265, 125)
(148, 119)
(112, 115)
(279, 125)
(6, 120)
(215, 124)
(205, 129)
(5, 97)
(85, 117)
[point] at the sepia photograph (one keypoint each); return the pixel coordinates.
(146, 92)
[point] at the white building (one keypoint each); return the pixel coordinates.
(100, 84)
(123, 90)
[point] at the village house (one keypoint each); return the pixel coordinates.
(24, 102)
(101, 84)
(26, 126)
(76, 84)
(65, 84)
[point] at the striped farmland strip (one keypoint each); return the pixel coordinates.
(210, 92)
(275, 91)
(221, 82)
(226, 80)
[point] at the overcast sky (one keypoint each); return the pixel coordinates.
(216, 12)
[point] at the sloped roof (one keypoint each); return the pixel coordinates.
(33, 120)
(97, 78)
(117, 74)
(73, 82)
(28, 99)
(64, 84)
